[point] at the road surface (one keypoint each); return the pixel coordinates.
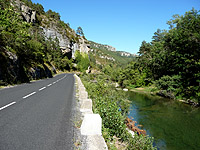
(38, 115)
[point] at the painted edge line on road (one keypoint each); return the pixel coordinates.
(7, 106)
(49, 85)
(29, 95)
(42, 88)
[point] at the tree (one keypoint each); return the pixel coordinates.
(82, 61)
(159, 35)
(79, 31)
(182, 43)
(175, 53)
(4, 4)
(53, 14)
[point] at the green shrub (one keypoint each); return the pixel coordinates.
(53, 14)
(168, 83)
(141, 143)
(66, 64)
(82, 61)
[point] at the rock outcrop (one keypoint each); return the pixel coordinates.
(52, 31)
(126, 54)
(110, 48)
(14, 71)
(66, 45)
(106, 57)
(28, 14)
(83, 46)
(102, 46)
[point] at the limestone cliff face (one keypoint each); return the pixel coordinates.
(110, 48)
(102, 46)
(69, 41)
(66, 45)
(53, 31)
(83, 46)
(28, 14)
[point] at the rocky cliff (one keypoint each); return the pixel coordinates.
(69, 41)
(110, 48)
(66, 45)
(14, 71)
(66, 42)
(35, 58)
(126, 54)
(28, 14)
(102, 46)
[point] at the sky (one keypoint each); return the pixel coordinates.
(123, 24)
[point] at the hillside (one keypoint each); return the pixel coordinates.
(35, 44)
(106, 53)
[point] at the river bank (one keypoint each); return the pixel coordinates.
(154, 92)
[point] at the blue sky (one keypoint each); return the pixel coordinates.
(123, 24)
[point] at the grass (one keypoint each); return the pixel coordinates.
(1, 87)
(77, 144)
(150, 89)
(78, 123)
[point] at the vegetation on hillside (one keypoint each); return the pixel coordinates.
(82, 61)
(101, 50)
(24, 48)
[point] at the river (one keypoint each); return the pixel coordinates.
(174, 125)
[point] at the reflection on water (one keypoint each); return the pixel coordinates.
(175, 126)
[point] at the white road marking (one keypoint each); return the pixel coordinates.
(49, 85)
(29, 95)
(59, 79)
(7, 106)
(42, 88)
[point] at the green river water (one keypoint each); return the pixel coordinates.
(174, 125)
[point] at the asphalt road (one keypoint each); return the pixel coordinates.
(38, 115)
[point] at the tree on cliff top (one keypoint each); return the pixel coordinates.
(79, 31)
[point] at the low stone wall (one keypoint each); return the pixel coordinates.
(92, 123)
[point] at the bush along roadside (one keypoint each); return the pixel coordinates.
(113, 107)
